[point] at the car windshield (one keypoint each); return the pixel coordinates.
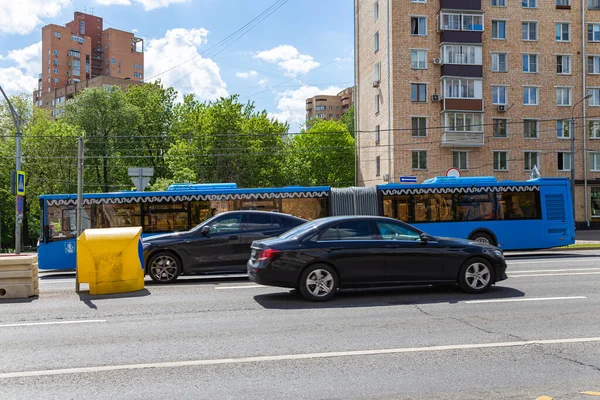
(298, 230)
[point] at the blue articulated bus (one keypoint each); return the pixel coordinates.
(513, 215)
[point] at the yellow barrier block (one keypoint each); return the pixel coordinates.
(111, 260)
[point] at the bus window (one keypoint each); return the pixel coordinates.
(203, 210)
(519, 205)
(62, 222)
(595, 202)
(433, 208)
(306, 208)
(166, 217)
(397, 207)
(475, 207)
(118, 215)
(260, 205)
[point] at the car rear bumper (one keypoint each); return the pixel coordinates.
(266, 276)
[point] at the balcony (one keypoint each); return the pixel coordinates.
(460, 37)
(461, 4)
(462, 139)
(464, 70)
(462, 104)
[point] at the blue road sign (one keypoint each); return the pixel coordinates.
(20, 204)
(20, 183)
(408, 179)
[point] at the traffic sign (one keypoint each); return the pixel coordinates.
(141, 177)
(20, 203)
(455, 172)
(20, 183)
(408, 179)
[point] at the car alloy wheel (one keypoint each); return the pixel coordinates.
(164, 268)
(318, 283)
(478, 275)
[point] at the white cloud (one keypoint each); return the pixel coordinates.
(24, 16)
(246, 75)
(28, 58)
(14, 81)
(263, 82)
(148, 4)
(292, 104)
(200, 76)
(289, 59)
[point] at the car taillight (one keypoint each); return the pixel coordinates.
(267, 254)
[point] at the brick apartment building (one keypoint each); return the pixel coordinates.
(74, 54)
(487, 86)
(329, 107)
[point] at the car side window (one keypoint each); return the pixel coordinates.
(230, 223)
(350, 230)
(391, 231)
(257, 222)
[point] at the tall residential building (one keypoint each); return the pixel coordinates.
(328, 106)
(486, 86)
(82, 50)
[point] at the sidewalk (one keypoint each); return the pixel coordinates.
(591, 236)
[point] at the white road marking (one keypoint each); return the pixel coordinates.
(287, 357)
(542, 261)
(524, 299)
(240, 287)
(553, 270)
(83, 321)
(560, 274)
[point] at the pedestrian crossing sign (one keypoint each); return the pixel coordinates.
(20, 183)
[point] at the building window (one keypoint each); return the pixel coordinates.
(419, 159)
(532, 159)
(57, 34)
(594, 161)
(563, 96)
(499, 95)
(320, 108)
(461, 22)
(418, 59)
(457, 54)
(498, 3)
(418, 1)
(593, 32)
(530, 96)
(529, 3)
(377, 166)
(460, 159)
(563, 32)
(330, 116)
(113, 61)
(55, 80)
(499, 62)
(499, 29)
(529, 31)
(462, 88)
(376, 10)
(82, 27)
(55, 61)
(530, 63)
(377, 72)
(594, 129)
(563, 3)
(595, 99)
(500, 161)
(463, 122)
(377, 134)
(563, 65)
(500, 126)
(377, 100)
(594, 4)
(376, 43)
(530, 128)
(564, 161)
(56, 53)
(107, 61)
(419, 126)
(418, 26)
(330, 108)
(563, 127)
(593, 65)
(56, 70)
(418, 92)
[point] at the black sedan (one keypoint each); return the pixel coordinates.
(324, 255)
(220, 244)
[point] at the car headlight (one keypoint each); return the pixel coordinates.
(498, 253)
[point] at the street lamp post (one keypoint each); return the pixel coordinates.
(18, 166)
(573, 150)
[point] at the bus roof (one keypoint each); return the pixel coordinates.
(451, 181)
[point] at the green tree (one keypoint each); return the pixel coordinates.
(322, 155)
(348, 120)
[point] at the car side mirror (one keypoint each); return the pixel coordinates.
(425, 237)
(205, 230)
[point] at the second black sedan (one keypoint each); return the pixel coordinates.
(327, 254)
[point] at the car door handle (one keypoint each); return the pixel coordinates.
(233, 237)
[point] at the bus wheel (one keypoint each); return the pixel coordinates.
(482, 237)
(164, 268)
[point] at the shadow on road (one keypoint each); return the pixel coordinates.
(201, 280)
(24, 300)
(383, 297)
(88, 298)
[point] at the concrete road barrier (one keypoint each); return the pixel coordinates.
(18, 276)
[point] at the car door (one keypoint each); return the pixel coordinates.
(215, 250)
(256, 226)
(407, 257)
(353, 247)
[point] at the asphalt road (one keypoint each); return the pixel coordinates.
(535, 334)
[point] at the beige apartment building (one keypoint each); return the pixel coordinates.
(82, 50)
(486, 86)
(329, 107)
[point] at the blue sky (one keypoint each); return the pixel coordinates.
(303, 48)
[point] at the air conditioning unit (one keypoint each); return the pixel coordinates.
(435, 97)
(376, 83)
(501, 108)
(437, 60)
(386, 177)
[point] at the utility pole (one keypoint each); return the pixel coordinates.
(80, 149)
(572, 132)
(18, 167)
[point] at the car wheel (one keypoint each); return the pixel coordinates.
(318, 283)
(484, 238)
(475, 276)
(164, 268)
